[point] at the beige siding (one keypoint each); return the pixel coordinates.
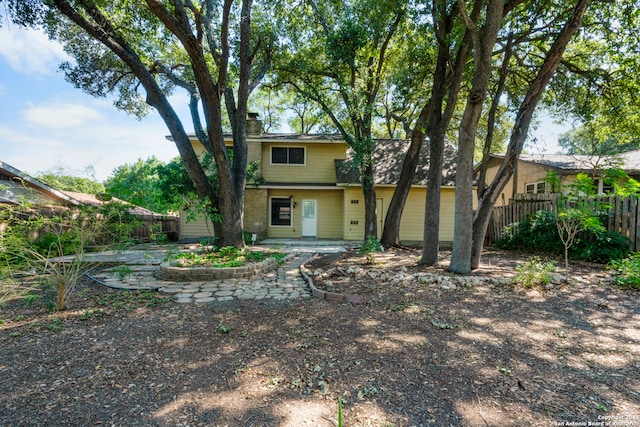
(492, 170)
(527, 173)
(412, 222)
(354, 211)
(194, 229)
(319, 164)
(329, 215)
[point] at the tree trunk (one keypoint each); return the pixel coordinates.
(439, 123)
(369, 191)
(176, 20)
(483, 44)
(491, 117)
(391, 230)
(521, 128)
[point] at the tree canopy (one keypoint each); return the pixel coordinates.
(472, 72)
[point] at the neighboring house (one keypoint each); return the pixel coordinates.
(310, 192)
(94, 200)
(17, 187)
(531, 170)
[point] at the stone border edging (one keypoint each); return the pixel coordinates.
(324, 295)
(169, 272)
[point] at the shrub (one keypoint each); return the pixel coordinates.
(68, 243)
(225, 257)
(32, 240)
(369, 246)
(535, 273)
(628, 271)
(539, 233)
(601, 247)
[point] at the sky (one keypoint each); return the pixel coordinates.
(46, 124)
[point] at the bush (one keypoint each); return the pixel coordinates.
(32, 237)
(369, 246)
(49, 243)
(538, 233)
(535, 273)
(601, 247)
(628, 271)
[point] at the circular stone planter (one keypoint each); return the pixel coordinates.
(187, 274)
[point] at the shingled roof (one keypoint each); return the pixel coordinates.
(388, 155)
(93, 200)
(574, 163)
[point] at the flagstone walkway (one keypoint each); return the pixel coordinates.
(138, 270)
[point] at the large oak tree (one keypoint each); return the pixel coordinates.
(142, 51)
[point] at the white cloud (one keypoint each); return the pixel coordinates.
(15, 140)
(30, 51)
(61, 115)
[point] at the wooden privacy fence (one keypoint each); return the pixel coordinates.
(621, 214)
(151, 226)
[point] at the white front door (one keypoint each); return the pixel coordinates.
(309, 219)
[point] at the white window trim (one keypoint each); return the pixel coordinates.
(535, 187)
(304, 150)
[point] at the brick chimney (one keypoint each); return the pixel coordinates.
(254, 125)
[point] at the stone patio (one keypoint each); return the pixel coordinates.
(138, 270)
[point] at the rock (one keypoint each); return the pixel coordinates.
(557, 278)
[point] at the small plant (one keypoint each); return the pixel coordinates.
(504, 369)
(340, 411)
(157, 235)
(627, 271)
(401, 306)
(369, 246)
(535, 273)
(440, 325)
(366, 392)
(55, 325)
(89, 314)
(121, 271)
(30, 299)
(226, 257)
(130, 300)
(224, 328)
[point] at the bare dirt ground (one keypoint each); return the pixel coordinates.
(418, 352)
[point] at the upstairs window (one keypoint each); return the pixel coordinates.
(604, 188)
(287, 155)
(536, 187)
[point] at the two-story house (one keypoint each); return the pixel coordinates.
(308, 192)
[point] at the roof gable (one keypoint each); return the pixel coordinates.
(19, 187)
(388, 157)
(575, 163)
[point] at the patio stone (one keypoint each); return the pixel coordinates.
(224, 293)
(283, 283)
(203, 294)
